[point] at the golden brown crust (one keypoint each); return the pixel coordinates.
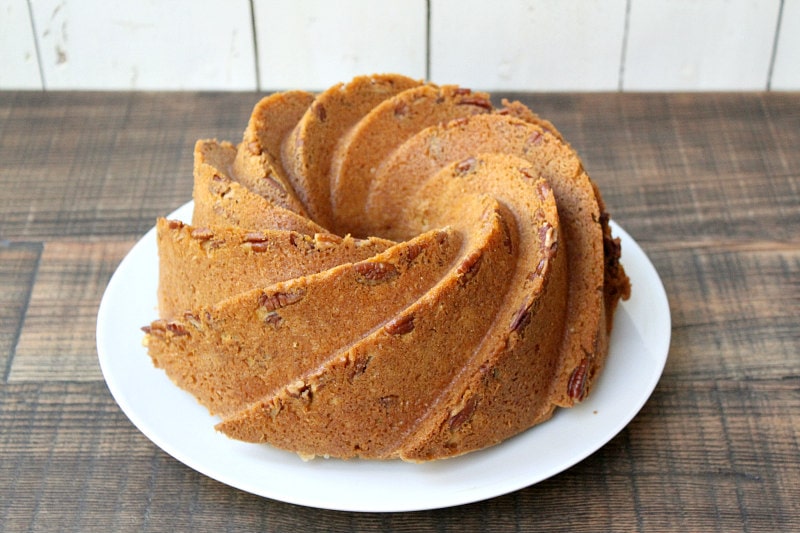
(198, 265)
(307, 152)
(521, 111)
(219, 200)
(241, 349)
(499, 390)
(576, 196)
(359, 154)
(258, 164)
(399, 370)
(486, 302)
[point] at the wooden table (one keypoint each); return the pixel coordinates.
(708, 184)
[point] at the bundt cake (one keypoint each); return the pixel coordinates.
(389, 269)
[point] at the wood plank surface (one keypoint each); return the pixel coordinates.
(18, 266)
(57, 341)
(708, 184)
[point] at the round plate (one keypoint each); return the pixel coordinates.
(180, 426)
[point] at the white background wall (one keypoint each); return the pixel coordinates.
(532, 45)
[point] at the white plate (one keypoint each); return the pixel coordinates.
(177, 424)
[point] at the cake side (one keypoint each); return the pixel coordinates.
(387, 269)
(219, 200)
(308, 151)
(547, 157)
(360, 152)
(198, 265)
(258, 164)
(364, 401)
(235, 351)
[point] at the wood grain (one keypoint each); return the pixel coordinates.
(102, 165)
(18, 266)
(715, 455)
(57, 341)
(708, 184)
(734, 309)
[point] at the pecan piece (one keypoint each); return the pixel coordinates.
(401, 110)
(201, 234)
(299, 390)
(254, 147)
(255, 236)
(521, 318)
(257, 241)
(460, 417)
(278, 300)
(320, 111)
(476, 101)
(193, 319)
(539, 269)
(359, 366)
(177, 329)
(400, 325)
(275, 184)
(576, 387)
(413, 251)
(543, 190)
(375, 272)
(323, 241)
(535, 139)
(469, 266)
(465, 166)
(158, 327)
(272, 318)
(547, 239)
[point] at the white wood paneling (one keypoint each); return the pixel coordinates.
(553, 45)
(19, 66)
(786, 72)
(527, 45)
(700, 44)
(180, 44)
(313, 44)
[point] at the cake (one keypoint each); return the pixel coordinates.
(389, 269)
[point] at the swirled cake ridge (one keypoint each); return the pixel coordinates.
(388, 269)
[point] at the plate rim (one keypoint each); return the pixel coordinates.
(645, 272)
